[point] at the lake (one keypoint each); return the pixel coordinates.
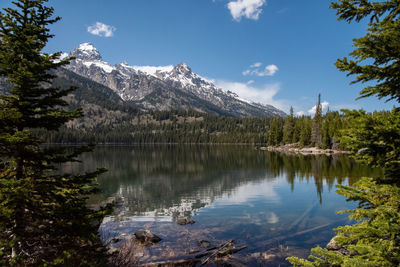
(276, 205)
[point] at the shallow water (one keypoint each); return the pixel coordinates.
(276, 205)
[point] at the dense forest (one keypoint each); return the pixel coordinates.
(180, 126)
(109, 120)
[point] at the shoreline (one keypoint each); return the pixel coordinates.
(294, 149)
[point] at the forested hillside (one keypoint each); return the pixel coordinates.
(109, 120)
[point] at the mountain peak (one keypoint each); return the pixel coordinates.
(182, 68)
(86, 47)
(86, 51)
(163, 87)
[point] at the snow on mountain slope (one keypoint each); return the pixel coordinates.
(140, 84)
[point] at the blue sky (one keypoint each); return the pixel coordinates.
(278, 52)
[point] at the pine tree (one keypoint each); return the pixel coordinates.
(288, 128)
(43, 215)
(274, 133)
(305, 131)
(297, 129)
(325, 131)
(316, 124)
(374, 139)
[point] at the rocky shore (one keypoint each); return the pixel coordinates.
(295, 149)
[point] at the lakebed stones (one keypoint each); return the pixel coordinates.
(147, 238)
(203, 244)
(334, 246)
(295, 149)
(184, 221)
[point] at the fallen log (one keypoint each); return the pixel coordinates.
(221, 250)
(182, 262)
(222, 245)
(230, 251)
(220, 253)
(212, 250)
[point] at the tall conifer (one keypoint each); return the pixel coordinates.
(43, 214)
(316, 124)
(372, 138)
(288, 128)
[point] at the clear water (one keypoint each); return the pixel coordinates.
(276, 205)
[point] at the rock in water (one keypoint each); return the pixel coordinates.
(333, 245)
(184, 221)
(203, 244)
(147, 238)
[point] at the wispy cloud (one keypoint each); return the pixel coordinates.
(256, 65)
(255, 69)
(101, 29)
(264, 94)
(250, 9)
(250, 82)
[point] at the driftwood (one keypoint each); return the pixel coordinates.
(230, 242)
(221, 250)
(230, 251)
(182, 262)
(214, 249)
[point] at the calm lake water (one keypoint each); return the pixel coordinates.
(276, 205)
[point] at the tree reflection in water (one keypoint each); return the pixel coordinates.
(231, 191)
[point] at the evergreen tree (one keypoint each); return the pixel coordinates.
(43, 215)
(316, 124)
(296, 130)
(288, 128)
(305, 132)
(373, 138)
(325, 133)
(376, 57)
(274, 133)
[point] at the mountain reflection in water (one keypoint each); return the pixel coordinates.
(232, 192)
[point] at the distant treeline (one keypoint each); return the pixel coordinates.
(109, 120)
(180, 126)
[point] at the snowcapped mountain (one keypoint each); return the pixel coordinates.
(164, 87)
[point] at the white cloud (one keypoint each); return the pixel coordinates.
(252, 191)
(324, 105)
(256, 65)
(246, 72)
(300, 113)
(250, 9)
(250, 82)
(264, 94)
(101, 29)
(269, 70)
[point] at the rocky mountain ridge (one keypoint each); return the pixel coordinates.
(165, 87)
